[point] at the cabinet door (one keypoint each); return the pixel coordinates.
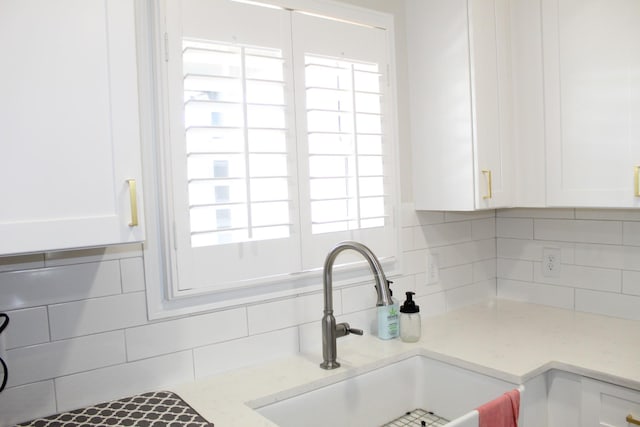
(608, 405)
(460, 94)
(592, 101)
(490, 52)
(440, 100)
(69, 132)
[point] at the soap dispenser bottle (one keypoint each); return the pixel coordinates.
(388, 321)
(410, 329)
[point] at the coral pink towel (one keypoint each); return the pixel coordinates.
(502, 411)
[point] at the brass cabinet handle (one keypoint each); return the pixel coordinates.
(134, 202)
(489, 194)
(636, 181)
(630, 418)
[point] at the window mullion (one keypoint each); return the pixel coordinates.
(355, 142)
(245, 117)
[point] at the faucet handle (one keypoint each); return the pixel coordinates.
(355, 331)
(343, 329)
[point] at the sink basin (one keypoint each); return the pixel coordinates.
(380, 395)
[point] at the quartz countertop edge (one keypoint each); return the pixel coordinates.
(504, 339)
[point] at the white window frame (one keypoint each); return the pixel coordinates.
(160, 266)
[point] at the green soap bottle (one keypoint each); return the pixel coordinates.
(388, 318)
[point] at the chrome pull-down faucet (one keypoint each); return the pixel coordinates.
(330, 330)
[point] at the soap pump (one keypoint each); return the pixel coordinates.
(410, 319)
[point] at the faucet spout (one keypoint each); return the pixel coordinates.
(330, 330)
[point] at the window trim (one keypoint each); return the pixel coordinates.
(159, 265)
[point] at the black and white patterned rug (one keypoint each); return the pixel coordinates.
(154, 409)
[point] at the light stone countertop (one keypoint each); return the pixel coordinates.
(504, 339)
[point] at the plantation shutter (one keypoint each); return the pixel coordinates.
(232, 144)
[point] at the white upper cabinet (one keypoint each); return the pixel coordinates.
(459, 57)
(69, 127)
(592, 102)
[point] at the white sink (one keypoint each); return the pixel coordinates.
(381, 395)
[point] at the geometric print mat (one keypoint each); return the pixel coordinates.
(154, 409)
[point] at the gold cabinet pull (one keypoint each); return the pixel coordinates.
(636, 181)
(489, 194)
(134, 202)
(632, 420)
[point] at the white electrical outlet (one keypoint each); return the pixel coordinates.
(433, 269)
(551, 262)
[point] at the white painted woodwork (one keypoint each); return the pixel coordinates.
(605, 405)
(69, 133)
(592, 101)
(528, 104)
(461, 103)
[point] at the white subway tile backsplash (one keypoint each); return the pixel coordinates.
(399, 288)
(470, 294)
(289, 312)
(483, 229)
(609, 214)
(451, 216)
(187, 333)
(606, 256)
(454, 277)
(518, 249)
(536, 213)
(356, 298)
(580, 231)
(484, 270)
(631, 282)
(55, 359)
(95, 315)
(22, 289)
(608, 304)
(27, 327)
(461, 253)
(414, 262)
(132, 273)
(531, 250)
(311, 338)
(115, 382)
(429, 217)
(631, 234)
(601, 279)
(516, 228)
(408, 215)
(424, 288)
(536, 293)
(515, 269)
(442, 234)
(21, 262)
(82, 256)
(27, 402)
(367, 320)
(432, 305)
(407, 239)
(631, 258)
(364, 297)
(600, 256)
(217, 358)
